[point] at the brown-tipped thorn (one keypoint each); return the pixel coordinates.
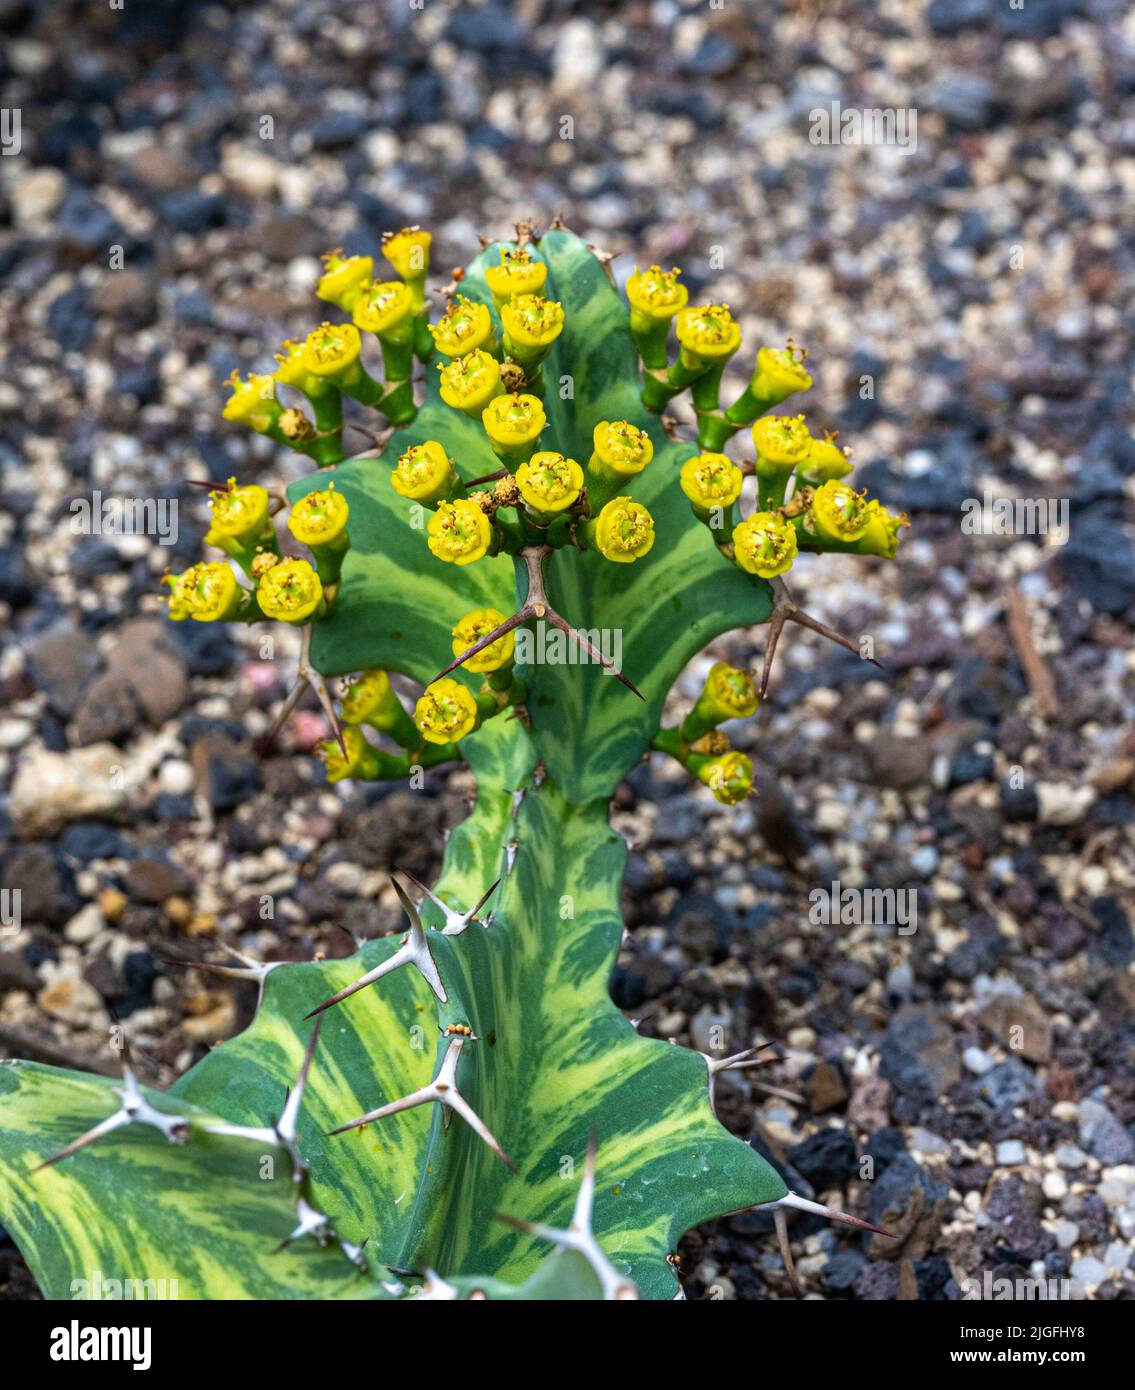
(455, 922)
(307, 678)
(487, 478)
(784, 610)
(781, 1223)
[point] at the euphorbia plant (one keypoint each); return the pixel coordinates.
(531, 505)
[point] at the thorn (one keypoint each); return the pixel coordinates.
(485, 241)
(557, 224)
(436, 1290)
(307, 678)
(671, 424)
(791, 1200)
(249, 969)
(739, 1061)
(579, 1235)
(605, 258)
(413, 950)
(455, 922)
(781, 1223)
(135, 1109)
(442, 1090)
(784, 610)
(487, 478)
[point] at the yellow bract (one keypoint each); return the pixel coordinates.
(459, 532)
(369, 695)
(779, 373)
(239, 513)
(881, 536)
(319, 518)
(207, 592)
(711, 480)
(783, 440)
(839, 513)
(708, 331)
(253, 402)
(621, 449)
(731, 691)
(424, 473)
(408, 251)
(470, 382)
(331, 347)
(446, 712)
(383, 308)
(531, 322)
(472, 627)
(290, 591)
(513, 421)
(548, 482)
(343, 279)
(624, 530)
(517, 274)
(464, 327)
(729, 777)
(764, 544)
(655, 293)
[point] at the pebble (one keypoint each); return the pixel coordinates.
(53, 789)
(1067, 1233)
(1010, 1152)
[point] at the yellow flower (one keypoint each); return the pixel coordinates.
(370, 696)
(729, 777)
(408, 251)
(446, 712)
(730, 691)
(517, 274)
(362, 758)
(331, 349)
(511, 422)
(838, 512)
(655, 294)
(464, 327)
(710, 480)
(469, 383)
(623, 531)
(290, 591)
(292, 370)
(472, 627)
(531, 325)
(253, 402)
(881, 536)
(779, 374)
(764, 544)
(621, 450)
(782, 440)
(708, 333)
(385, 309)
(320, 518)
(207, 593)
(459, 532)
(239, 513)
(343, 279)
(424, 473)
(549, 483)
(825, 461)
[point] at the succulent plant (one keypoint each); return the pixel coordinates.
(531, 545)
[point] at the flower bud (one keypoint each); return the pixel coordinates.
(207, 593)
(425, 473)
(291, 592)
(514, 424)
(253, 403)
(408, 251)
(446, 712)
(729, 693)
(838, 513)
(385, 309)
(459, 532)
(824, 462)
(728, 776)
(623, 531)
(240, 516)
(764, 544)
(531, 325)
(371, 700)
(517, 274)
(343, 279)
(362, 762)
(712, 482)
(549, 484)
(469, 383)
(464, 327)
(881, 536)
(472, 627)
(779, 374)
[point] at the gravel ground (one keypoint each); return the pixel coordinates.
(971, 1086)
